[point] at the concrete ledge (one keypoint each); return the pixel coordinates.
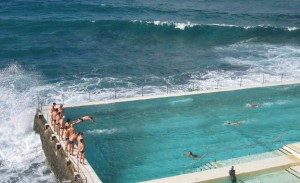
(52, 137)
(64, 166)
(177, 94)
(55, 157)
(58, 146)
(47, 126)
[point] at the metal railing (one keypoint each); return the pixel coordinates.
(123, 92)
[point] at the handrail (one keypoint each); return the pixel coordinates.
(116, 92)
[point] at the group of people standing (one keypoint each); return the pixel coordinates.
(65, 129)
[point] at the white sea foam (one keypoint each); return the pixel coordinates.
(188, 24)
(292, 28)
(182, 26)
(181, 101)
(253, 105)
(263, 64)
(21, 156)
(103, 131)
(224, 25)
(279, 102)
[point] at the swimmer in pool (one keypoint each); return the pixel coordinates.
(253, 105)
(190, 154)
(234, 123)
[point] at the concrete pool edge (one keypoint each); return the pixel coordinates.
(290, 160)
(64, 166)
(111, 101)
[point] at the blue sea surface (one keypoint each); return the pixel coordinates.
(79, 50)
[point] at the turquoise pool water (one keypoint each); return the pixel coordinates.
(143, 140)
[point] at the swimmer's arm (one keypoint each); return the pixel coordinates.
(202, 156)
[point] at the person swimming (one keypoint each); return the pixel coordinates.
(253, 105)
(234, 123)
(190, 154)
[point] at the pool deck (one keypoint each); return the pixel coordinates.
(85, 171)
(179, 94)
(291, 160)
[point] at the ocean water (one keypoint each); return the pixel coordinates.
(62, 50)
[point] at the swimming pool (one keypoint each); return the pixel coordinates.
(144, 140)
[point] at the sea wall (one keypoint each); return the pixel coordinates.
(57, 158)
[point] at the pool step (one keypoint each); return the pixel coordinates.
(207, 166)
(216, 164)
(293, 149)
(284, 151)
(294, 171)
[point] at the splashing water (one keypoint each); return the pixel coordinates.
(21, 156)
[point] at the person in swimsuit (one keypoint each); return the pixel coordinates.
(234, 123)
(69, 132)
(66, 136)
(57, 123)
(71, 129)
(53, 117)
(62, 125)
(52, 108)
(253, 105)
(190, 154)
(80, 136)
(71, 142)
(81, 150)
(84, 118)
(61, 109)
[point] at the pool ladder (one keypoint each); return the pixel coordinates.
(207, 166)
(290, 170)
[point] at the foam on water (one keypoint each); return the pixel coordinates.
(188, 24)
(279, 102)
(187, 100)
(250, 64)
(102, 131)
(21, 155)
